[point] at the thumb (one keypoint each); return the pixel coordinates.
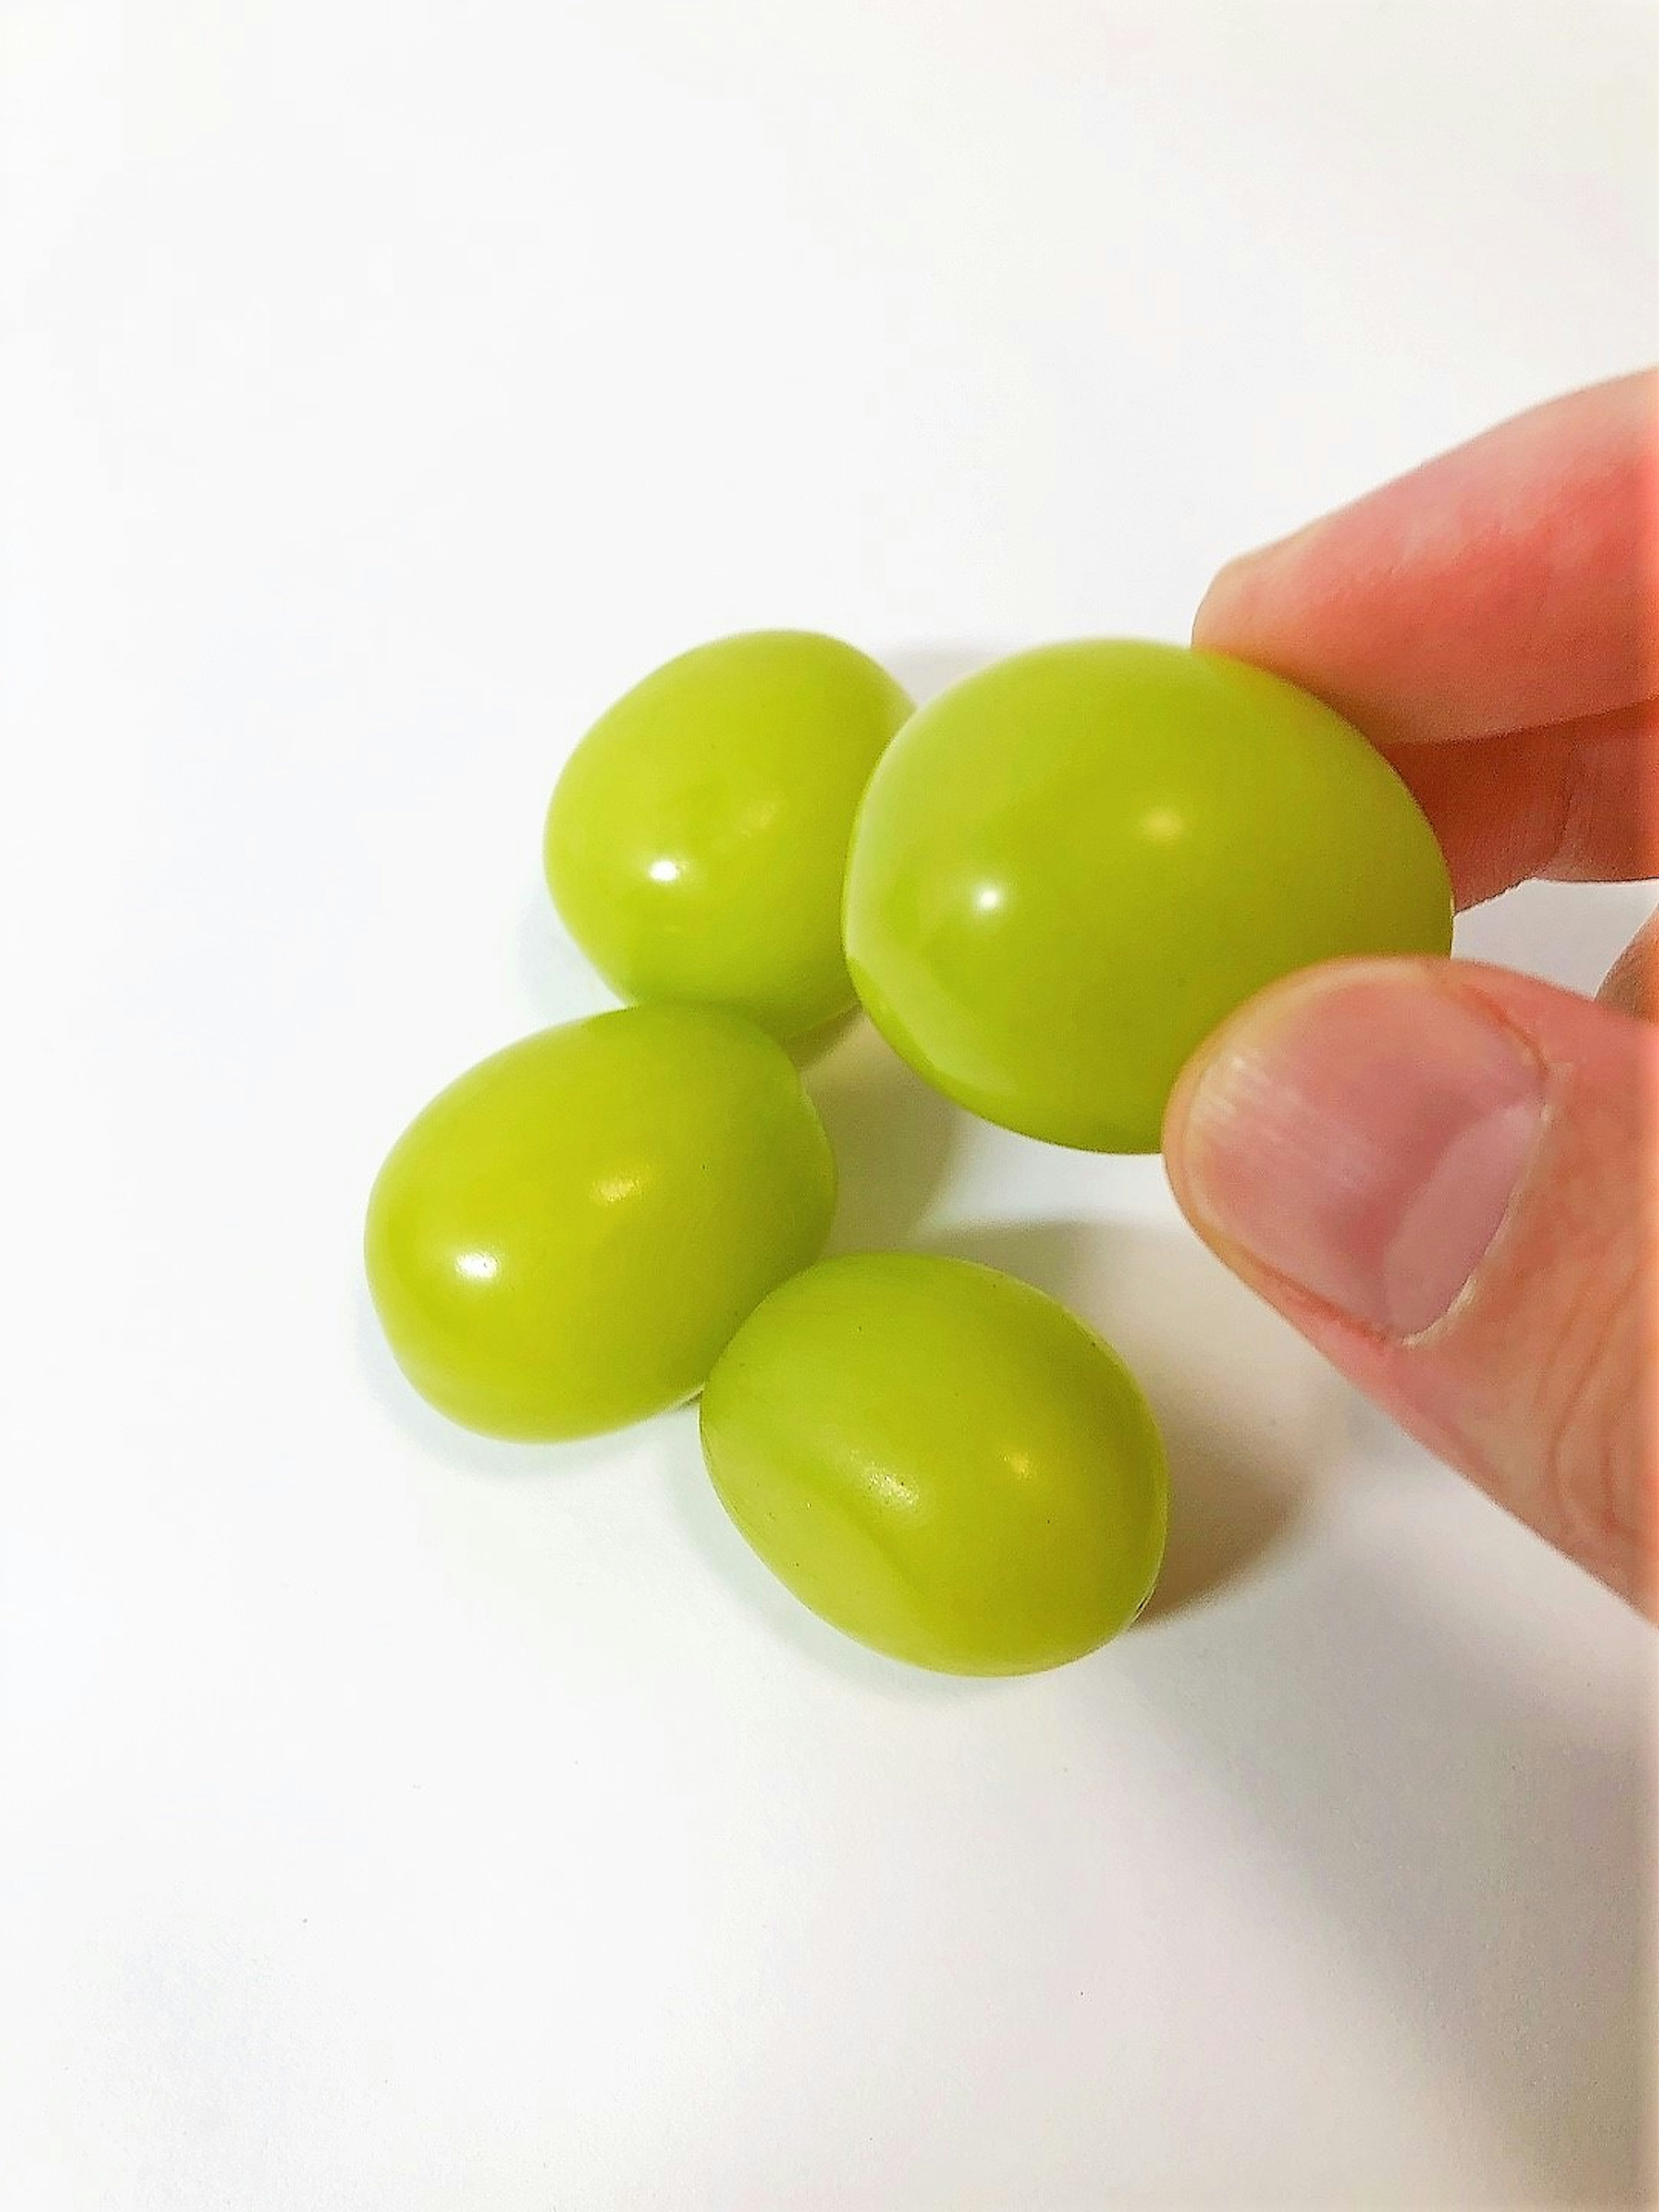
(1447, 1176)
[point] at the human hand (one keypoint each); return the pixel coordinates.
(1446, 1176)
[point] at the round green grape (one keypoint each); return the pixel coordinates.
(940, 1460)
(1069, 867)
(566, 1237)
(696, 842)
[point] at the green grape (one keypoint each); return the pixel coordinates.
(1071, 867)
(566, 1237)
(940, 1460)
(696, 842)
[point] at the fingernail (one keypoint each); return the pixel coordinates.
(1363, 1134)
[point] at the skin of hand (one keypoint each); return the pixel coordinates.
(1446, 1175)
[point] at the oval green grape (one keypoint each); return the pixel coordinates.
(1069, 867)
(940, 1460)
(566, 1236)
(696, 844)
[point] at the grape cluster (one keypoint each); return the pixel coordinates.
(1046, 888)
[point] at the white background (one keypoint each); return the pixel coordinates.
(394, 1823)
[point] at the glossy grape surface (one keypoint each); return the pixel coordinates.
(941, 1460)
(566, 1238)
(696, 842)
(1070, 867)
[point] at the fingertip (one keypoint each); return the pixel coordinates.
(1442, 1173)
(1224, 622)
(1632, 982)
(1502, 586)
(1176, 1137)
(1211, 624)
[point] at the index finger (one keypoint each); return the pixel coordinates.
(1489, 621)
